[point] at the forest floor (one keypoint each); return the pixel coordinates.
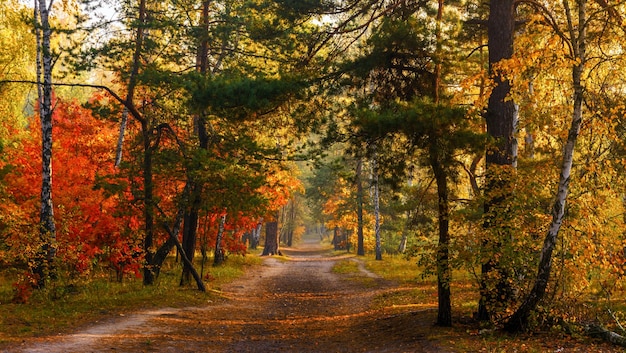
(294, 303)
(302, 302)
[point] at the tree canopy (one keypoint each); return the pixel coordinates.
(485, 138)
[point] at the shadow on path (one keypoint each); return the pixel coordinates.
(293, 303)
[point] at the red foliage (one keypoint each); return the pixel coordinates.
(95, 226)
(24, 288)
(89, 226)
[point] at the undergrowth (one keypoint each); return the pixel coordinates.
(61, 306)
(418, 293)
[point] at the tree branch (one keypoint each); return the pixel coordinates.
(131, 108)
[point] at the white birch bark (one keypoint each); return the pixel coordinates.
(120, 138)
(47, 225)
(219, 251)
(577, 34)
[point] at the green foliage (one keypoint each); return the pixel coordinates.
(16, 63)
(239, 97)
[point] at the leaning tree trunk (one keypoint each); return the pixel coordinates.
(173, 237)
(500, 158)
(43, 265)
(519, 320)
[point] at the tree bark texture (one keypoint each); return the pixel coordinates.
(444, 275)
(519, 320)
(360, 250)
(255, 236)
(190, 228)
(500, 121)
(271, 237)
(378, 250)
(132, 80)
(148, 203)
(43, 264)
(173, 237)
(192, 213)
(220, 255)
(438, 53)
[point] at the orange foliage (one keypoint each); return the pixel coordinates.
(89, 228)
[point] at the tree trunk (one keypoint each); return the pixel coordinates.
(220, 256)
(438, 53)
(444, 310)
(43, 267)
(444, 275)
(405, 234)
(500, 119)
(190, 229)
(192, 213)
(292, 222)
(271, 237)
(360, 250)
(161, 254)
(379, 251)
(336, 238)
(519, 320)
(148, 203)
(256, 236)
(173, 236)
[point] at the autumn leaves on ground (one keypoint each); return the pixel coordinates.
(295, 303)
(309, 300)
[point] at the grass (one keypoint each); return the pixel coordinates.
(350, 269)
(418, 292)
(59, 307)
(346, 267)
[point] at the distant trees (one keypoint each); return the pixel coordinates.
(410, 131)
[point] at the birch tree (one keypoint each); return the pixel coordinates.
(575, 36)
(43, 33)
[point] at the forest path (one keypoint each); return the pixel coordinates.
(292, 305)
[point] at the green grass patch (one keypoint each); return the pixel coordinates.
(350, 270)
(346, 267)
(60, 307)
(397, 269)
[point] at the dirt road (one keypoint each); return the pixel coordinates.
(294, 305)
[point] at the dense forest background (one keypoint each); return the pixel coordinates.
(475, 137)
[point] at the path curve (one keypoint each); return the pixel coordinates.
(287, 305)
